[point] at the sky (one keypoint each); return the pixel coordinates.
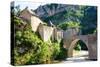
(31, 5)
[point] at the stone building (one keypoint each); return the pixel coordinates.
(29, 16)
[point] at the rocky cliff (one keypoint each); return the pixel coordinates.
(59, 13)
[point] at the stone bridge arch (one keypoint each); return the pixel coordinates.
(91, 43)
(73, 45)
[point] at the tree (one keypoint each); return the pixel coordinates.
(17, 10)
(89, 21)
(69, 24)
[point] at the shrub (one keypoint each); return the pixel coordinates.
(62, 53)
(70, 24)
(56, 50)
(17, 21)
(35, 50)
(30, 49)
(78, 47)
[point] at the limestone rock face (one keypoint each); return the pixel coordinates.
(50, 9)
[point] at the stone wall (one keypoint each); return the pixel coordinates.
(68, 37)
(92, 41)
(35, 21)
(27, 16)
(45, 32)
(57, 35)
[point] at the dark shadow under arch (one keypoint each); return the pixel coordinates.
(81, 44)
(73, 45)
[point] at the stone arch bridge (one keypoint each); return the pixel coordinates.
(90, 41)
(70, 37)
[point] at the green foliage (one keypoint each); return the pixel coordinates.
(30, 49)
(89, 21)
(62, 54)
(63, 26)
(37, 51)
(73, 24)
(95, 31)
(86, 15)
(56, 18)
(17, 21)
(69, 24)
(18, 34)
(78, 47)
(56, 50)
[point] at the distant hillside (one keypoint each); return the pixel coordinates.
(60, 13)
(56, 12)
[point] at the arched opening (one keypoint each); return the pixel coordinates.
(78, 49)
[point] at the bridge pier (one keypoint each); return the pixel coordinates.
(92, 41)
